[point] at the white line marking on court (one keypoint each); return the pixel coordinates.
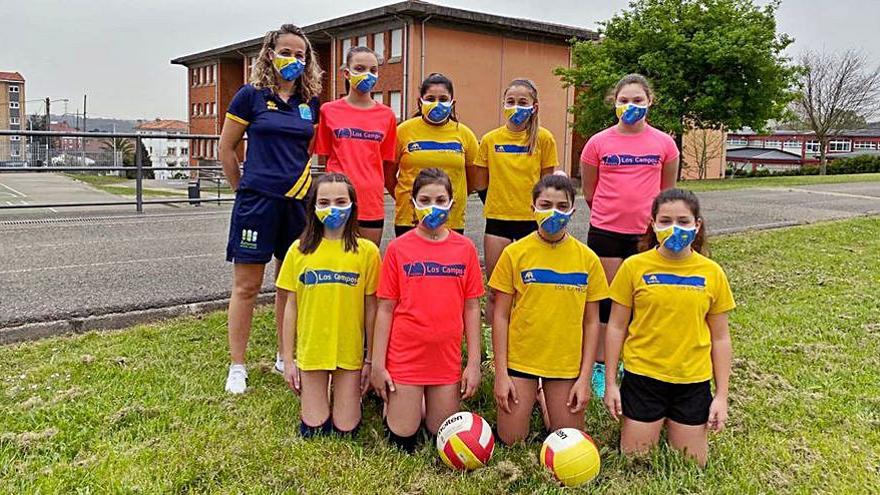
(834, 193)
(110, 263)
(16, 193)
(106, 241)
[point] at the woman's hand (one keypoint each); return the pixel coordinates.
(579, 396)
(505, 392)
(470, 381)
(612, 401)
(717, 414)
(291, 376)
(381, 381)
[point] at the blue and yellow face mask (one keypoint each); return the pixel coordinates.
(289, 67)
(630, 113)
(553, 221)
(675, 238)
(333, 217)
(518, 115)
(363, 82)
(436, 112)
(432, 216)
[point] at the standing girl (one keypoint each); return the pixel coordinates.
(357, 135)
(511, 160)
(623, 168)
(429, 294)
(678, 339)
(546, 322)
(332, 276)
(278, 109)
(434, 138)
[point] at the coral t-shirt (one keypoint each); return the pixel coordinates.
(630, 172)
(430, 280)
(356, 141)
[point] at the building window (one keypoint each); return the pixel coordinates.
(839, 145)
(773, 144)
(736, 141)
(13, 89)
(195, 77)
(377, 97)
(756, 143)
(394, 102)
(362, 41)
(865, 145)
(396, 43)
(193, 110)
(203, 76)
(14, 151)
(15, 138)
(379, 46)
(13, 104)
(792, 145)
(812, 146)
(211, 78)
(346, 46)
(14, 120)
(184, 151)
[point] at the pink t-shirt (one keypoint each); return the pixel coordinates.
(430, 282)
(630, 169)
(355, 142)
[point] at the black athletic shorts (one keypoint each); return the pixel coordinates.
(523, 374)
(647, 399)
(262, 226)
(609, 244)
(372, 224)
(510, 229)
(399, 230)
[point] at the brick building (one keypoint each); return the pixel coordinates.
(787, 149)
(480, 52)
(12, 116)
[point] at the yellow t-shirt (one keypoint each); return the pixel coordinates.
(551, 287)
(513, 172)
(669, 338)
(330, 285)
(450, 147)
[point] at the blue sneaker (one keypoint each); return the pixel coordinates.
(599, 380)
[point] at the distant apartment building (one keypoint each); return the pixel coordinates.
(12, 117)
(66, 143)
(166, 152)
(785, 149)
(480, 52)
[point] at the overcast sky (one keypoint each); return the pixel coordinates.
(118, 51)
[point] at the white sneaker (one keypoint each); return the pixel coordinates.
(236, 380)
(279, 364)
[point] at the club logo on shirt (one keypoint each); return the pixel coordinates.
(320, 277)
(511, 148)
(452, 147)
(433, 269)
(270, 105)
(692, 282)
(570, 281)
(615, 159)
(355, 133)
(305, 112)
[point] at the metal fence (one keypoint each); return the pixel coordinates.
(108, 153)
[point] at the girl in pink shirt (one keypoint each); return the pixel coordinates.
(623, 169)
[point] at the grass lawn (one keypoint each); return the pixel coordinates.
(784, 181)
(143, 411)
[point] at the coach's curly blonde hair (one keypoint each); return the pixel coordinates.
(264, 75)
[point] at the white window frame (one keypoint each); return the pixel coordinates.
(15, 138)
(864, 145)
(812, 146)
(379, 45)
(839, 146)
(378, 97)
(14, 121)
(396, 44)
(737, 141)
(346, 46)
(773, 143)
(395, 101)
(13, 88)
(14, 104)
(792, 144)
(362, 40)
(14, 152)
(184, 151)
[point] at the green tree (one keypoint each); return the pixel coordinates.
(714, 64)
